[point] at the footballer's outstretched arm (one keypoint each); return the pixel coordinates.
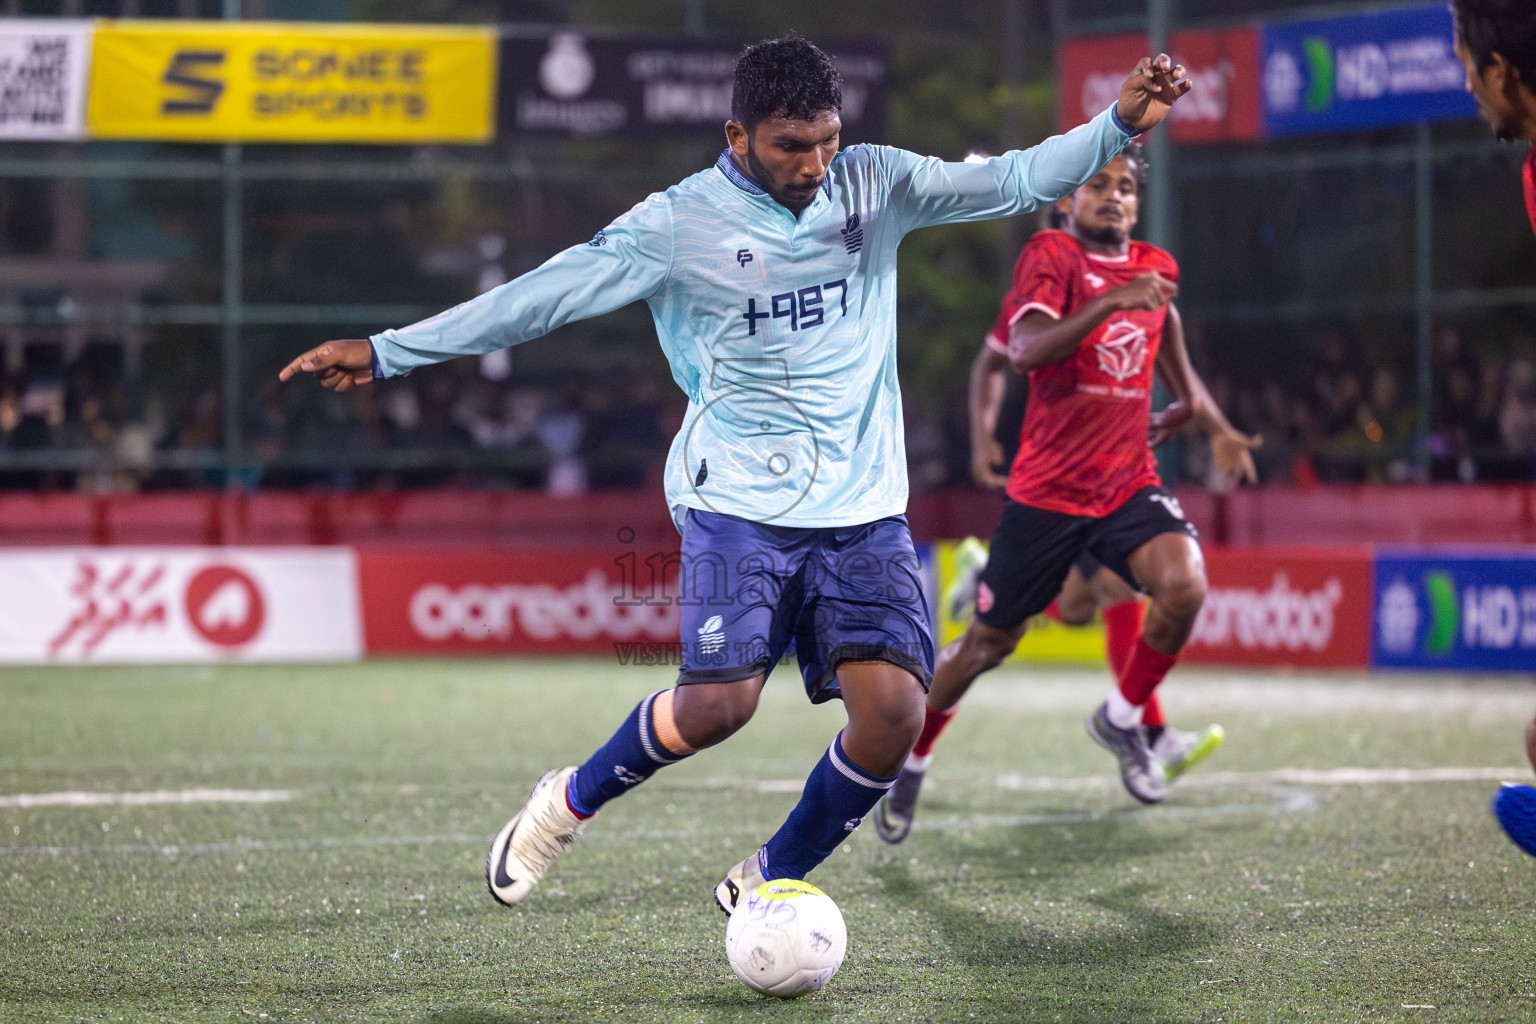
(1231, 449)
(1038, 339)
(927, 191)
(627, 261)
(985, 400)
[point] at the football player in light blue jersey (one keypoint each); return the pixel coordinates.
(771, 278)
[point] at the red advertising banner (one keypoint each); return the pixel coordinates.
(1309, 607)
(1224, 105)
(499, 601)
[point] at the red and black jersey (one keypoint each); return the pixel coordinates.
(1083, 448)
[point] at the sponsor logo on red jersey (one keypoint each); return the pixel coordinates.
(1123, 350)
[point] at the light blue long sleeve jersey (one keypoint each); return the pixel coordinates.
(781, 330)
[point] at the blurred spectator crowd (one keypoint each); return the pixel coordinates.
(1346, 421)
(94, 427)
(93, 424)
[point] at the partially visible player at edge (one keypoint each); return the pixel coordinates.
(771, 279)
(1089, 319)
(1496, 41)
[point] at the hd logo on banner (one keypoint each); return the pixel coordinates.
(1455, 610)
(43, 68)
(1364, 71)
(270, 82)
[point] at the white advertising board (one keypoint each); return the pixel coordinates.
(84, 605)
(44, 67)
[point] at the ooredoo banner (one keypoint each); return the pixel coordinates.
(595, 600)
(274, 82)
(43, 69)
(178, 605)
(1451, 609)
(1224, 65)
(1292, 606)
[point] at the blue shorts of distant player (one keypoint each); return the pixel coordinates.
(843, 593)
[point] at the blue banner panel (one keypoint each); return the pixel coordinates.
(1365, 71)
(1455, 610)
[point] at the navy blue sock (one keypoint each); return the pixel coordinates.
(630, 756)
(836, 797)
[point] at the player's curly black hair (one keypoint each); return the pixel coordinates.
(1135, 156)
(788, 76)
(1506, 27)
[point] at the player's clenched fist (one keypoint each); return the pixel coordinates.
(339, 365)
(1149, 291)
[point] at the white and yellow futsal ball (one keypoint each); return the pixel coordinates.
(786, 938)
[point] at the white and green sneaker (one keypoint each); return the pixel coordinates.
(1178, 752)
(969, 559)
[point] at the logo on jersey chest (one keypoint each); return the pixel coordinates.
(1094, 280)
(853, 234)
(1123, 352)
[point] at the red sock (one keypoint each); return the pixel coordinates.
(1053, 611)
(1122, 625)
(1152, 713)
(933, 724)
(1144, 669)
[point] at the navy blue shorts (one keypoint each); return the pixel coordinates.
(748, 591)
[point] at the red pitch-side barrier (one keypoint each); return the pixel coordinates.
(1440, 514)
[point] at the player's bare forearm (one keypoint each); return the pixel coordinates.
(1175, 367)
(985, 400)
(1230, 448)
(1149, 94)
(985, 394)
(1036, 339)
(339, 365)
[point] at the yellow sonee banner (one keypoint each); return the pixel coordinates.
(280, 82)
(1046, 640)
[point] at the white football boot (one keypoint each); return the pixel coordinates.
(528, 844)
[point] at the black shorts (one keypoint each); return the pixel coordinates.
(1034, 549)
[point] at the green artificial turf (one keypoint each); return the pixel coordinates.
(1033, 888)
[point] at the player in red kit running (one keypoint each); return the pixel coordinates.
(1496, 41)
(1089, 319)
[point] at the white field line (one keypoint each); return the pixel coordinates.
(79, 798)
(1272, 784)
(1278, 777)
